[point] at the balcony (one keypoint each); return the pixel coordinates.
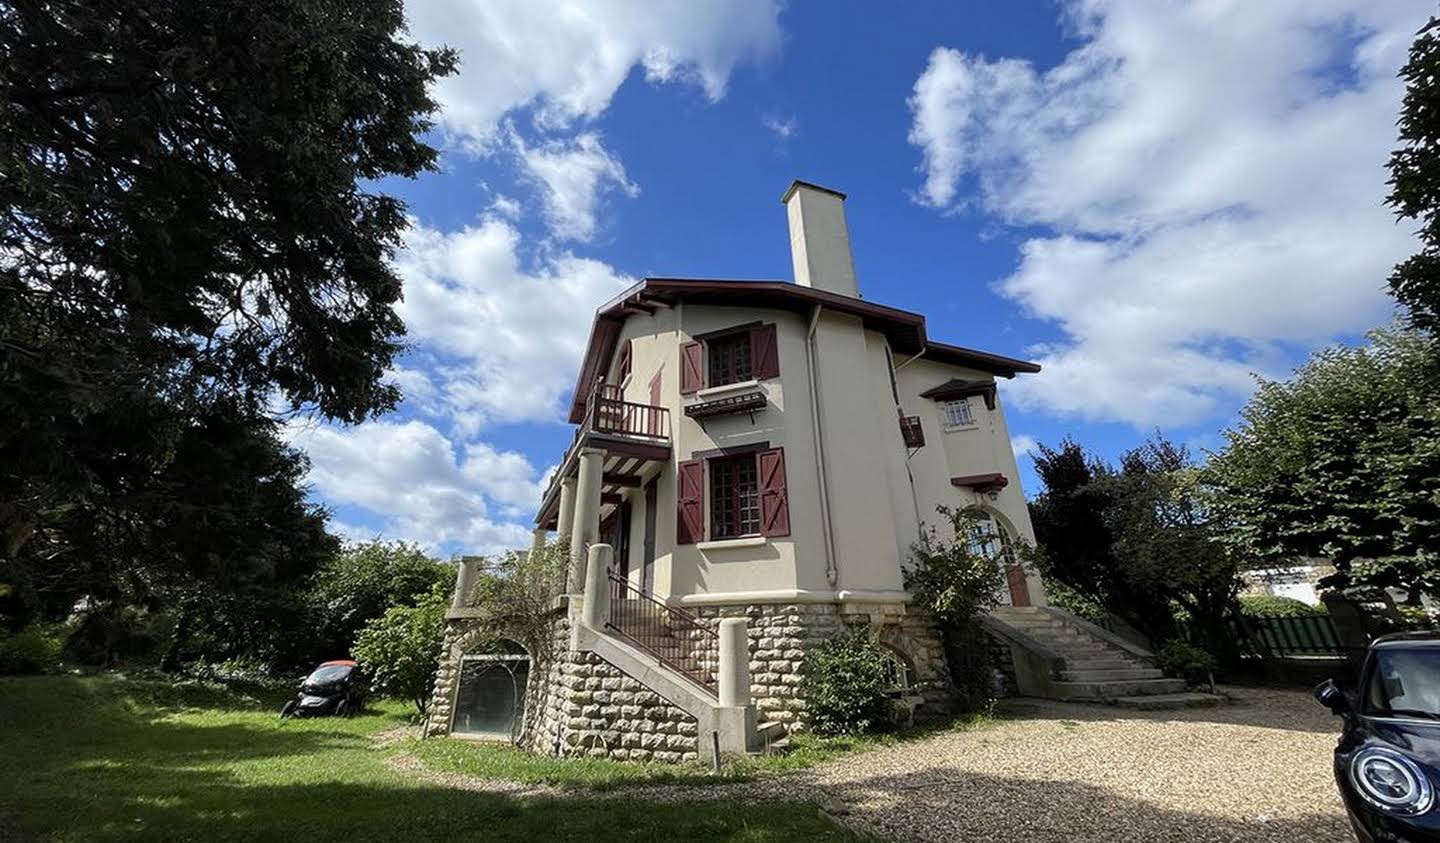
(632, 436)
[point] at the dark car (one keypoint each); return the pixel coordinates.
(1387, 763)
(334, 688)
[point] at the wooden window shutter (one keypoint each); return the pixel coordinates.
(774, 498)
(691, 368)
(766, 360)
(690, 503)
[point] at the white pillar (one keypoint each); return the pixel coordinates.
(566, 520)
(586, 529)
(537, 540)
(464, 580)
(734, 677)
(596, 610)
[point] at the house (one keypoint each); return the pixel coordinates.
(757, 459)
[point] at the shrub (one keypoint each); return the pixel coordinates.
(1185, 661)
(956, 584)
(401, 648)
(34, 649)
(846, 680)
(1274, 606)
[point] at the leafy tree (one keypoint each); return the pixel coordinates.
(189, 236)
(1342, 461)
(401, 648)
(1075, 535)
(1275, 606)
(360, 584)
(1415, 179)
(1141, 540)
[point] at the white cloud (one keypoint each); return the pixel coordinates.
(573, 175)
(783, 127)
(567, 58)
(409, 476)
(507, 207)
(1022, 445)
(510, 334)
(1211, 179)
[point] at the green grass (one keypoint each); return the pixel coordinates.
(101, 758)
(499, 761)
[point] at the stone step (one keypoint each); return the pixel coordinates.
(1112, 675)
(770, 730)
(1104, 663)
(1116, 690)
(1157, 702)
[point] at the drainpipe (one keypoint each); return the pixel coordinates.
(832, 572)
(914, 494)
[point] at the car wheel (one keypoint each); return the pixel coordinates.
(289, 710)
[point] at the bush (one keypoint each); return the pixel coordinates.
(401, 648)
(1274, 606)
(956, 584)
(1185, 661)
(34, 649)
(846, 680)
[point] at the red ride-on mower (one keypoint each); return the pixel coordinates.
(334, 688)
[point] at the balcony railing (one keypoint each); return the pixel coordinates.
(610, 413)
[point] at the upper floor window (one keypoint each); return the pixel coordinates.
(729, 359)
(626, 361)
(733, 355)
(957, 413)
(746, 495)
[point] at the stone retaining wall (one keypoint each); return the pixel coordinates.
(579, 704)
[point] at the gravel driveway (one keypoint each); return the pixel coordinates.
(1255, 771)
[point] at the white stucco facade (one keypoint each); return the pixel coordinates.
(857, 496)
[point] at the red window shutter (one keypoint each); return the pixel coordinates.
(690, 503)
(762, 351)
(691, 378)
(774, 498)
(655, 388)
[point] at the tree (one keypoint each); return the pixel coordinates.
(360, 584)
(1075, 537)
(401, 648)
(1415, 179)
(1141, 540)
(1342, 461)
(189, 237)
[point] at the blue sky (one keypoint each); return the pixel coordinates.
(1154, 199)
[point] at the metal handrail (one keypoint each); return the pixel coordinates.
(675, 637)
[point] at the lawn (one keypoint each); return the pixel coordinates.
(101, 758)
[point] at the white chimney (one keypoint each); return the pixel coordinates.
(819, 240)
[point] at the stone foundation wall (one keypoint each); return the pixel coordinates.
(781, 635)
(579, 704)
(576, 703)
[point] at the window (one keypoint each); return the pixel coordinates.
(729, 359)
(988, 539)
(747, 495)
(957, 413)
(734, 497)
(733, 355)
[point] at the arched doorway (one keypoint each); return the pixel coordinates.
(989, 538)
(490, 696)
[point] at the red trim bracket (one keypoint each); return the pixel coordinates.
(992, 482)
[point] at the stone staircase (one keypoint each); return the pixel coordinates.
(1060, 656)
(685, 651)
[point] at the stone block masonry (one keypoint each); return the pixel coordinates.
(578, 704)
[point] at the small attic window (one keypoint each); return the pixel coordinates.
(957, 413)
